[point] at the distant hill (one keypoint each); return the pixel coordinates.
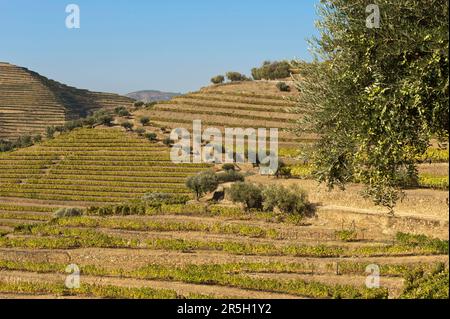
(30, 102)
(152, 96)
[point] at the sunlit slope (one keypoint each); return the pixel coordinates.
(30, 102)
(253, 104)
(92, 165)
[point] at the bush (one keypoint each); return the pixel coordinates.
(67, 212)
(6, 146)
(24, 141)
(283, 87)
(37, 138)
(272, 71)
(228, 167)
(283, 170)
(236, 76)
(71, 125)
(127, 125)
(218, 79)
(138, 104)
(288, 200)
(144, 120)
(121, 111)
(246, 193)
(103, 117)
(50, 131)
(202, 183)
(151, 136)
(89, 121)
(167, 141)
(230, 176)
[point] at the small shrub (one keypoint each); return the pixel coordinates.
(138, 104)
(272, 70)
(283, 170)
(89, 121)
(127, 125)
(246, 193)
(291, 200)
(202, 183)
(6, 146)
(37, 138)
(167, 141)
(144, 120)
(283, 87)
(71, 125)
(218, 79)
(121, 111)
(151, 136)
(103, 117)
(24, 141)
(67, 212)
(236, 76)
(50, 131)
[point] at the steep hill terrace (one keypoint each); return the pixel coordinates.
(92, 165)
(30, 102)
(254, 104)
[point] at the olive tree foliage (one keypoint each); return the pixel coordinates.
(272, 70)
(202, 183)
(376, 96)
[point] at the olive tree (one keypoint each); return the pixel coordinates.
(202, 183)
(376, 96)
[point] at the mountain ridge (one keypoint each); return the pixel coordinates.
(147, 96)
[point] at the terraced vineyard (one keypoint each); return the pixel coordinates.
(255, 104)
(90, 165)
(193, 252)
(125, 248)
(30, 102)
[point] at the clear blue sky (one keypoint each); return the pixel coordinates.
(171, 45)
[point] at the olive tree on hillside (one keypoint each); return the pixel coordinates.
(377, 95)
(202, 183)
(236, 76)
(272, 70)
(219, 79)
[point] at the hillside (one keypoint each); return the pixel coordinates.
(255, 104)
(93, 166)
(30, 102)
(147, 96)
(126, 249)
